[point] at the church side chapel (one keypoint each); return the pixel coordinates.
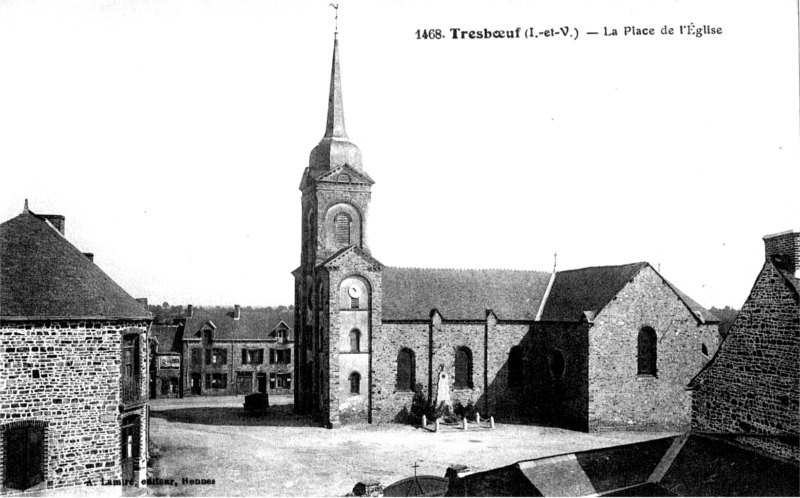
(592, 348)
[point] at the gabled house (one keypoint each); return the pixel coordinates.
(235, 352)
(750, 391)
(73, 363)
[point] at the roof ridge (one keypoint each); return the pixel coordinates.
(468, 269)
(604, 266)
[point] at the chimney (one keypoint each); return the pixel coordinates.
(783, 249)
(189, 310)
(89, 256)
(56, 220)
(237, 312)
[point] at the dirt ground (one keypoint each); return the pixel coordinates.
(280, 454)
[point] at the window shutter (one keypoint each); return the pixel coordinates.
(342, 228)
(260, 356)
(224, 381)
(288, 356)
(224, 356)
(244, 357)
(208, 357)
(271, 356)
(208, 381)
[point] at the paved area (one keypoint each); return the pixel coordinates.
(281, 454)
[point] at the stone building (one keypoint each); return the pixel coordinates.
(73, 399)
(236, 352)
(166, 360)
(751, 389)
(600, 347)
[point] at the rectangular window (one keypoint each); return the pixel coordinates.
(252, 356)
(173, 385)
(280, 356)
(219, 380)
(219, 356)
(284, 381)
(272, 381)
(208, 381)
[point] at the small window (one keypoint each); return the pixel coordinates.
(704, 349)
(463, 379)
(217, 381)
(342, 229)
(557, 364)
(219, 356)
(647, 348)
(355, 341)
(197, 356)
(355, 303)
(355, 383)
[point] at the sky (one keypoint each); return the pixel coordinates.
(173, 135)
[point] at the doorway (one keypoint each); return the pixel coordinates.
(262, 382)
(24, 449)
(130, 446)
(194, 384)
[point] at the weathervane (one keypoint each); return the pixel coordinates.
(555, 260)
(336, 19)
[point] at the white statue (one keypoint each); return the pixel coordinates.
(443, 389)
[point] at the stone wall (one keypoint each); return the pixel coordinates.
(67, 375)
(234, 365)
(504, 402)
(618, 396)
(753, 385)
(389, 401)
(562, 398)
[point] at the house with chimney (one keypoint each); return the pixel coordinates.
(750, 391)
(73, 363)
(233, 352)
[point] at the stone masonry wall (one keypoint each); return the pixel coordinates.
(447, 338)
(563, 399)
(67, 374)
(348, 265)
(500, 400)
(389, 402)
(618, 396)
(753, 385)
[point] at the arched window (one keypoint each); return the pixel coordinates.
(406, 369)
(647, 360)
(342, 229)
(557, 364)
(355, 383)
(463, 378)
(515, 367)
(355, 340)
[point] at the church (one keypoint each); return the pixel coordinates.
(595, 348)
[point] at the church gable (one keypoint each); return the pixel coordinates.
(352, 256)
(346, 174)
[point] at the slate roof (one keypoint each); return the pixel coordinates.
(252, 324)
(586, 289)
(169, 337)
(411, 293)
(591, 289)
(44, 276)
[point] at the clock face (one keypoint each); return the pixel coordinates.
(354, 291)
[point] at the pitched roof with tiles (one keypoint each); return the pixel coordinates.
(591, 289)
(44, 276)
(169, 337)
(252, 324)
(411, 293)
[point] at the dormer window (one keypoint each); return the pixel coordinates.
(281, 336)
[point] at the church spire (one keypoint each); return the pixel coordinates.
(335, 125)
(335, 149)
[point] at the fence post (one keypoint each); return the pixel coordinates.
(465, 423)
(436, 425)
(424, 421)
(478, 417)
(491, 421)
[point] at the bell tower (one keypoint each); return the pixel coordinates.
(335, 205)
